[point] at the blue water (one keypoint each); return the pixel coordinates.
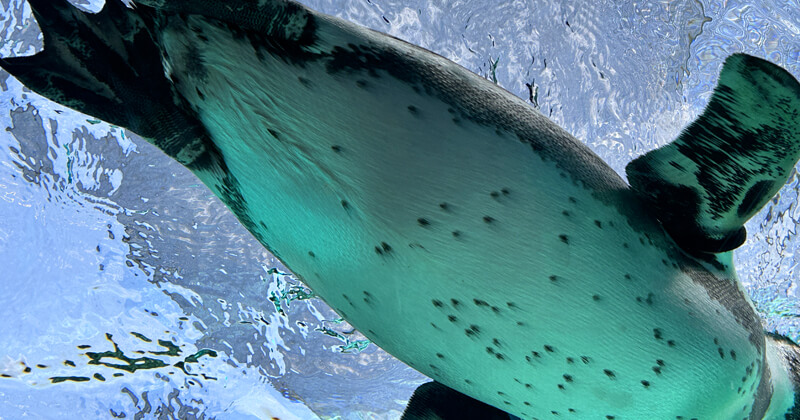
(101, 236)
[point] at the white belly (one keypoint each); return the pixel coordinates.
(459, 250)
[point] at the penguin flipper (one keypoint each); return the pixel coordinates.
(434, 401)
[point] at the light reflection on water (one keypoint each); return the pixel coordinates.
(106, 243)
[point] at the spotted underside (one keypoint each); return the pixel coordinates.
(448, 221)
(451, 242)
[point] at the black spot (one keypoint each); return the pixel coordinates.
(378, 250)
(336, 148)
(496, 342)
(455, 302)
(567, 377)
(627, 276)
(500, 356)
(440, 355)
(561, 386)
(573, 200)
(386, 247)
(494, 194)
(444, 206)
(570, 360)
(610, 417)
(456, 233)
(646, 384)
(303, 81)
(495, 309)
(472, 331)
(671, 343)
(536, 354)
(423, 222)
(274, 133)
(598, 223)
(520, 324)
(345, 205)
(657, 370)
(733, 355)
(311, 254)
(413, 110)
(658, 334)
(362, 83)
(595, 297)
(565, 213)
(610, 373)
(200, 94)
(452, 318)
(564, 239)
(549, 348)
(585, 360)
(480, 302)
(721, 352)
(467, 381)
(511, 305)
(660, 362)
(488, 219)
(505, 191)
(437, 303)
(554, 278)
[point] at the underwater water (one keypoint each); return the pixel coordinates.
(128, 290)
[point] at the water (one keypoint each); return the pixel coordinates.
(105, 242)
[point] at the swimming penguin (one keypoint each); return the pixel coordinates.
(450, 222)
